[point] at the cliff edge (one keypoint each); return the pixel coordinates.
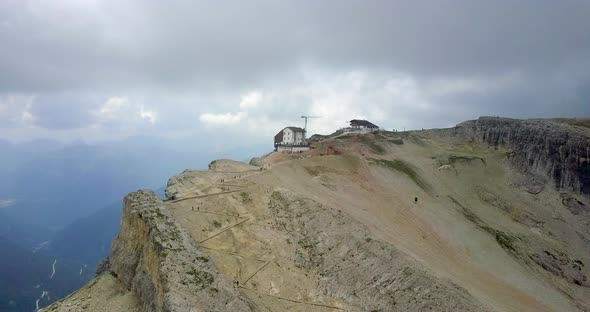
(491, 215)
(551, 150)
(162, 267)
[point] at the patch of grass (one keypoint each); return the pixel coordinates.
(396, 141)
(453, 159)
(216, 224)
(493, 199)
(329, 136)
(202, 259)
(307, 243)
(376, 148)
(505, 240)
(461, 158)
(168, 232)
(246, 199)
(412, 137)
(175, 235)
(405, 168)
(313, 171)
(467, 213)
(343, 137)
(318, 170)
(369, 141)
(466, 148)
(201, 279)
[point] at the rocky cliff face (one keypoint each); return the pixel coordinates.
(554, 151)
(388, 279)
(161, 264)
(346, 232)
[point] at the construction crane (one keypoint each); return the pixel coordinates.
(305, 127)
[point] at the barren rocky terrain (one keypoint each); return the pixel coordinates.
(491, 215)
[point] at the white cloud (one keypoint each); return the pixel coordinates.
(148, 115)
(122, 109)
(4, 203)
(113, 106)
(396, 101)
(336, 97)
(250, 100)
(223, 119)
(388, 100)
(16, 110)
(356, 59)
(27, 117)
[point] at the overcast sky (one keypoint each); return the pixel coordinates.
(105, 70)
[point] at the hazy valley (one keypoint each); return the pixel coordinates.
(62, 204)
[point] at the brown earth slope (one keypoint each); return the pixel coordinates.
(338, 228)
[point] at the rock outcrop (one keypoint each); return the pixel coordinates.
(555, 151)
(161, 264)
(362, 271)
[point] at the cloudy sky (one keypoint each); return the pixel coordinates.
(106, 70)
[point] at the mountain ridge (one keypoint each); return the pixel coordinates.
(442, 219)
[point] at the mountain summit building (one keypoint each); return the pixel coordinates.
(363, 125)
(291, 139)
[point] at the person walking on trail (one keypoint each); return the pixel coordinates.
(416, 199)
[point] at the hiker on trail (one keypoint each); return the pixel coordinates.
(416, 199)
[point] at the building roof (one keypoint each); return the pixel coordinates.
(365, 123)
(296, 129)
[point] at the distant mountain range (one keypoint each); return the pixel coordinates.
(25, 235)
(50, 184)
(29, 280)
(88, 240)
(64, 202)
(28, 256)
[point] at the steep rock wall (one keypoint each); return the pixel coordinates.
(155, 258)
(558, 152)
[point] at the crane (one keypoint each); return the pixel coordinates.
(305, 127)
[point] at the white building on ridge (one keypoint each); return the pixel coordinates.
(291, 139)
